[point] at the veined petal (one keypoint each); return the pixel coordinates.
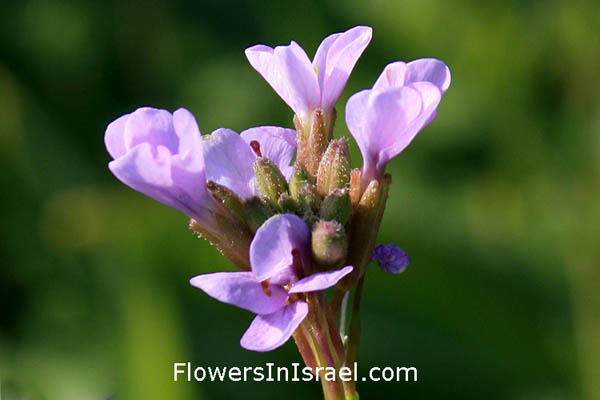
(267, 332)
(290, 73)
(335, 59)
(228, 161)
(320, 281)
(276, 143)
(242, 290)
(271, 248)
(422, 70)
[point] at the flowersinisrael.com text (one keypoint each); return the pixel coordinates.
(294, 373)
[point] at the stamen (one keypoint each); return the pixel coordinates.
(256, 147)
(297, 263)
(266, 288)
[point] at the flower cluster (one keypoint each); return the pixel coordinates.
(296, 229)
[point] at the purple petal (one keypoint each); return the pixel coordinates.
(391, 258)
(242, 290)
(379, 121)
(148, 170)
(431, 97)
(229, 162)
(320, 281)
(150, 125)
(190, 138)
(277, 144)
(271, 248)
(114, 137)
(335, 59)
(290, 73)
(392, 76)
(145, 145)
(428, 70)
(423, 70)
(267, 332)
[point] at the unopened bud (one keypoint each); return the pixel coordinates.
(299, 179)
(309, 199)
(334, 168)
(329, 243)
(228, 199)
(313, 135)
(355, 186)
(337, 206)
(257, 212)
(287, 204)
(270, 181)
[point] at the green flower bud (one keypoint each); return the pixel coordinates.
(287, 204)
(228, 199)
(329, 243)
(309, 199)
(334, 168)
(299, 179)
(337, 206)
(270, 181)
(257, 212)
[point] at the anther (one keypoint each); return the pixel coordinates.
(256, 147)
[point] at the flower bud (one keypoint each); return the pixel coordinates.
(287, 204)
(299, 179)
(355, 186)
(313, 140)
(270, 181)
(391, 258)
(336, 206)
(309, 199)
(257, 212)
(334, 168)
(329, 243)
(228, 199)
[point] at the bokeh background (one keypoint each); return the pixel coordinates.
(497, 201)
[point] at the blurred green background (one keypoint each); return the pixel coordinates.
(497, 202)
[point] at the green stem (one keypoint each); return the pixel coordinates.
(353, 339)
